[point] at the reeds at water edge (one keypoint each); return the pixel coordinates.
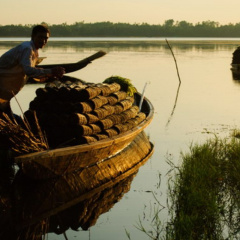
(203, 199)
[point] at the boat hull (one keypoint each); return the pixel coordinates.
(58, 162)
(61, 193)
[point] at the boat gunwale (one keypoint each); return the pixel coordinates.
(90, 146)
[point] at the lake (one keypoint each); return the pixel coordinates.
(204, 105)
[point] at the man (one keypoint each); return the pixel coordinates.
(19, 63)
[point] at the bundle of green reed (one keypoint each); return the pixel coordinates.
(21, 139)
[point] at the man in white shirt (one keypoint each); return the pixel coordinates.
(19, 63)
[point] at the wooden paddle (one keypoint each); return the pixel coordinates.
(71, 67)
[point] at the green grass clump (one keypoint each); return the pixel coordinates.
(203, 198)
(205, 192)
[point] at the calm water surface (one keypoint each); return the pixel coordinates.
(207, 104)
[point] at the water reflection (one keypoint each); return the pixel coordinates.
(134, 45)
(176, 98)
(174, 105)
(29, 209)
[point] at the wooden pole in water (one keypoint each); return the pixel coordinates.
(175, 103)
(174, 60)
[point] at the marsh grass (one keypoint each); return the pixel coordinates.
(203, 194)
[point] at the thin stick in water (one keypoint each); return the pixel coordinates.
(174, 60)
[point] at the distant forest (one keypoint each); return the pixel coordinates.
(169, 28)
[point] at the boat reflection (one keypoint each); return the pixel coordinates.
(29, 209)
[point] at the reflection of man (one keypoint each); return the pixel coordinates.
(18, 64)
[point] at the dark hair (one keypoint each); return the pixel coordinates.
(40, 28)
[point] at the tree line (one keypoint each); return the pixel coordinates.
(169, 28)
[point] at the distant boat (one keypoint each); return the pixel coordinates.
(235, 69)
(235, 65)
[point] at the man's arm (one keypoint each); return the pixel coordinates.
(28, 60)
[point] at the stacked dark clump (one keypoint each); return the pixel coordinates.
(236, 56)
(77, 113)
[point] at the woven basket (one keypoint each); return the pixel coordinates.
(105, 123)
(83, 107)
(130, 124)
(103, 98)
(105, 90)
(114, 87)
(109, 108)
(140, 117)
(100, 136)
(111, 132)
(120, 95)
(127, 115)
(84, 130)
(95, 128)
(98, 102)
(91, 118)
(120, 128)
(118, 109)
(101, 113)
(126, 104)
(112, 100)
(137, 119)
(116, 118)
(130, 98)
(89, 93)
(134, 110)
(77, 119)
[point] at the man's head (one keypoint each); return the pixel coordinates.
(40, 35)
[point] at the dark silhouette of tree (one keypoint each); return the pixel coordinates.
(169, 28)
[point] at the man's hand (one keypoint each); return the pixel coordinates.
(58, 72)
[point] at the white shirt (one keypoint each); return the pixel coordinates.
(16, 65)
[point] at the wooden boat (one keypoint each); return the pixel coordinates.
(60, 161)
(235, 64)
(235, 69)
(74, 200)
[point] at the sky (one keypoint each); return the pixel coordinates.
(125, 11)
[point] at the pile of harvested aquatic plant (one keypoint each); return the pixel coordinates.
(21, 139)
(73, 113)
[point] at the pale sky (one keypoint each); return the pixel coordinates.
(126, 11)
